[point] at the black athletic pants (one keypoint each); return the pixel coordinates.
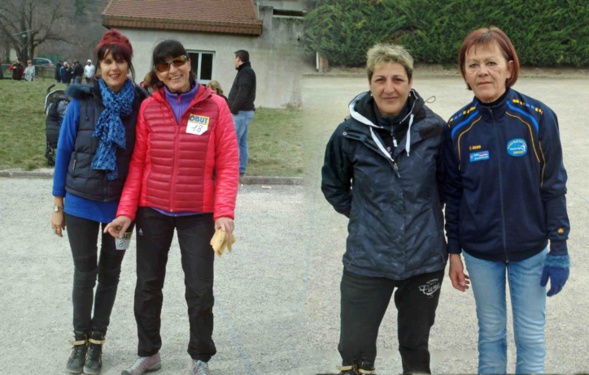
(155, 232)
(364, 301)
(88, 267)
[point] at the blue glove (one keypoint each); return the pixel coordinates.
(556, 268)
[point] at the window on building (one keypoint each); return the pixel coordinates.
(202, 65)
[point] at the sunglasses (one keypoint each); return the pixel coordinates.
(178, 62)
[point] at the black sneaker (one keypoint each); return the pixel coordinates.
(75, 363)
(94, 357)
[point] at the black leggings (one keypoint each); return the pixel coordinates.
(83, 236)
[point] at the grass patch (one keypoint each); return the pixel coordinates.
(275, 141)
(22, 123)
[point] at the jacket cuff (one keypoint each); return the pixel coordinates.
(558, 248)
(454, 248)
(557, 261)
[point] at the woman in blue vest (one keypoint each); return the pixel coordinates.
(93, 152)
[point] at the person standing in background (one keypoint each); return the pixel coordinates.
(66, 73)
(241, 102)
(58, 68)
(89, 70)
(216, 87)
(30, 71)
(17, 70)
(78, 72)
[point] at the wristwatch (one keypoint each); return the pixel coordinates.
(57, 208)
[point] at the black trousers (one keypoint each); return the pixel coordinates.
(364, 301)
(88, 267)
(155, 232)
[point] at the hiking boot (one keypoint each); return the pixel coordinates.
(75, 363)
(94, 356)
(347, 370)
(144, 364)
(199, 368)
(366, 368)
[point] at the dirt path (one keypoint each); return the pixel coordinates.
(277, 294)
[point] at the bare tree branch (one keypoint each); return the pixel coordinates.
(27, 24)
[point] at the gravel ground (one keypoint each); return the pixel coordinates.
(277, 294)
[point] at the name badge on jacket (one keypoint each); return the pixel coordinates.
(197, 124)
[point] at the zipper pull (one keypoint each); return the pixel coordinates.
(396, 168)
(395, 142)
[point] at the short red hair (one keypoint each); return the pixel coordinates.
(484, 37)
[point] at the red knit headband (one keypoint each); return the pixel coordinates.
(113, 36)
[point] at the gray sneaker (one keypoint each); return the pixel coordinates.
(199, 368)
(144, 364)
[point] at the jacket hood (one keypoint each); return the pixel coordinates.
(362, 108)
(78, 91)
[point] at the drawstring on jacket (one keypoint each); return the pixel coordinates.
(408, 136)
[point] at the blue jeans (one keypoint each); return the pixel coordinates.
(528, 302)
(241, 120)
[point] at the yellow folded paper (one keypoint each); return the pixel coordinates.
(219, 242)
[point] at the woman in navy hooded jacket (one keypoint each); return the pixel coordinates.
(505, 200)
(383, 171)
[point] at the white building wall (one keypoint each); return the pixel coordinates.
(276, 56)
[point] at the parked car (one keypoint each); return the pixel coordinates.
(41, 61)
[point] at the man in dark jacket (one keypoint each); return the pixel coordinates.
(241, 102)
(78, 72)
(58, 71)
(17, 70)
(383, 171)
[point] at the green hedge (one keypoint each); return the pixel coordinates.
(544, 33)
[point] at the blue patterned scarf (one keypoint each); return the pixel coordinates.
(110, 130)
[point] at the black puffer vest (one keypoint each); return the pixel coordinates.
(82, 180)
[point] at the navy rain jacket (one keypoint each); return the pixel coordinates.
(392, 200)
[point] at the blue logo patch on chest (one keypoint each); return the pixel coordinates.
(517, 147)
(479, 155)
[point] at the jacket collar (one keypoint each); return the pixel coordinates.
(362, 108)
(201, 94)
(247, 64)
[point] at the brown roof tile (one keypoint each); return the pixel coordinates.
(212, 16)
